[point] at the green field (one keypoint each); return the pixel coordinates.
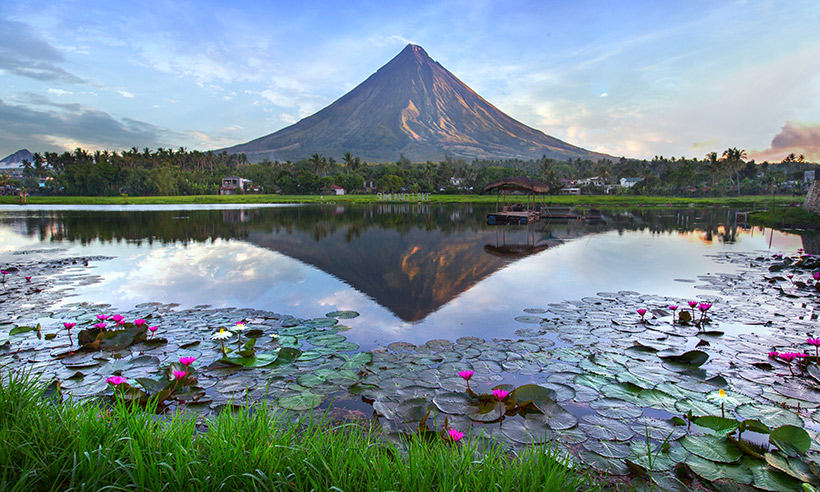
(751, 201)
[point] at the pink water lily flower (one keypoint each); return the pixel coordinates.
(187, 361)
(815, 275)
(28, 279)
(102, 317)
(139, 322)
(69, 325)
(773, 354)
(500, 393)
(455, 434)
(116, 380)
(467, 375)
(673, 307)
(178, 375)
(100, 326)
(117, 318)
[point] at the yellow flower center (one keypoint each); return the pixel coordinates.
(222, 330)
(722, 393)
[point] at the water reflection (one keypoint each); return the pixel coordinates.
(412, 260)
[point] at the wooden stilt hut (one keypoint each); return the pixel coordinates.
(518, 212)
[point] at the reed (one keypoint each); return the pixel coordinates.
(88, 445)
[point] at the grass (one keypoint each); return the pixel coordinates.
(79, 446)
(786, 218)
(574, 200)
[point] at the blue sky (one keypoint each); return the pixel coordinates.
(673, 78)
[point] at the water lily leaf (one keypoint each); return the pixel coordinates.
(50, 336)
(712, 448)
(357, 360)
(325, 339)
(594, 381)
(694, 358)
(616, 409)
(697, 407)
(798, 390)
(554, 415)
(517, 432)
(790, 439)
(791, 466)
(623, 391)
(659, 430)
(773, 416)
(300, 402)
(529, 319)
(321, 322)
(711, 471)
(608, 449)
(21, 329)
(532, 393)
(456, 403)
(771, 479)
(656, 398)
(754, 425)
(655, 458)
(605, 428)
(720, 425)
(603, 464)
(413, 410)
(342, 314)
(343, 347)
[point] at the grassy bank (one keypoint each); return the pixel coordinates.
(786, 218)
(752, 201)
(83, 446)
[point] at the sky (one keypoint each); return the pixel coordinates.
(635, 79)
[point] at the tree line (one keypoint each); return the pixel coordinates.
(165, 172)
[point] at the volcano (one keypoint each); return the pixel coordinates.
(414, 107)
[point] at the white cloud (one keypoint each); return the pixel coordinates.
(125, 94)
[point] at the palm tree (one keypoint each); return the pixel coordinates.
(713, 165)
(734, 161)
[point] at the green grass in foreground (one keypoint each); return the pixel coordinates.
(77, 446)
(582, 200)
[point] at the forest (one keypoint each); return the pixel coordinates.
(168, 172)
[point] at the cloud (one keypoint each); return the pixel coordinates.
(25, 54)
(66, 126)
(794, 137)
(125, 94)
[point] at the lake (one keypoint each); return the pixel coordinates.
(414, 272)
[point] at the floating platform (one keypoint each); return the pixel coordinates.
(507, 217)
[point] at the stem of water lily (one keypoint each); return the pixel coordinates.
(223, 348)
(722, 413)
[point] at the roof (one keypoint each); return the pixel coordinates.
(519, 183)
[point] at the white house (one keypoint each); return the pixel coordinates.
(337, 190)
(630, 182)
(234, 185)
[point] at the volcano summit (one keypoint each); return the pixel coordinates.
(412, 106)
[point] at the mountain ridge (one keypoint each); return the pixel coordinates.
(413, 107)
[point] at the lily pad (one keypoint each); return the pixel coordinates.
(790, 440)
(342, 314)
(605, 428)
(712, 448)
(301, 401)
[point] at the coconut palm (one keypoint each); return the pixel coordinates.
(733, 158)
(713, 165)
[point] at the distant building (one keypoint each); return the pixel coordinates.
(569, 190)
(337, 190)
(809, 176)
(234, 185)
(630, 182)
(593, 181)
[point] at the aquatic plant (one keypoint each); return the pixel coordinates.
(642, 312)
(239, 327)
(152, 329)
(187, 361)
(455, 434)
(816, 343)
(139, 322)
(102, 317)
(466, 375)
(693, 305)
(222, 335)
(673, 307)
(703, 306)
(101, 326)
(68, 326)
(4, 272)
(28, 278)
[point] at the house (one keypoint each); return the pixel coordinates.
(593, 181)
(337, 190)
(569, 190)
(630, 182)
(234, 185)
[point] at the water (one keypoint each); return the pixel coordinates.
(414, 272)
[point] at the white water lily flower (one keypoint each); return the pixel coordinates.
(222, 334)
(239, 326)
